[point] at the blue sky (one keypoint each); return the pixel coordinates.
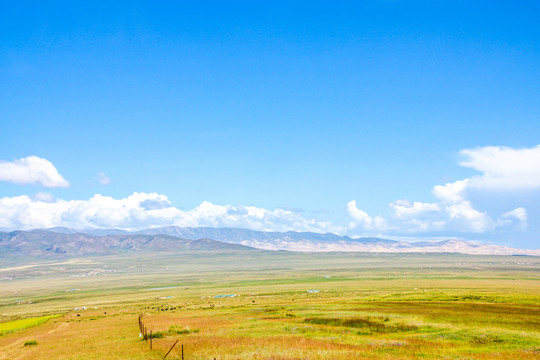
(273, 116)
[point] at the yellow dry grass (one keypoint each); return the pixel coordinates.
(359, 313)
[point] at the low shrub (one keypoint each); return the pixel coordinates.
(485, 339)
(372, 324)
(153, 335)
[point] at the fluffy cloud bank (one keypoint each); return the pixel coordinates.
(32, 170)
(501, 168)
(142, 210)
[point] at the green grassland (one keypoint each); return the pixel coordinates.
(368, 306)
(18, 325)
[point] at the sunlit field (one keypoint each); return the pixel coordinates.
(285, 306)
(18, 325)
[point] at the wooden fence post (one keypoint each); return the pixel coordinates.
(150, 339)
(182, 352)
(171, 349)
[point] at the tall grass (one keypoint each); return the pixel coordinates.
(153, 335)
(371, 324)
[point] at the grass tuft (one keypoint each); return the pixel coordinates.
(178, 330)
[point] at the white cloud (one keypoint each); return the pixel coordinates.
(465, 218)
(503, 167)
(103, 179)
(520, 214)
(43, 196)
(452, 192)
(360, 216)
(362, 219)
(405, 208)
(142, 210)
(32, 170)
(451, 213)
(421, 217)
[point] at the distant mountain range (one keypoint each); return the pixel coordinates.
(49, 243)
(69, 242)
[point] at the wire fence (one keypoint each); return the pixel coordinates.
(153, 339)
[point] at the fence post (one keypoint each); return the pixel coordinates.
(171, 349)
(150, 339)
(182, 352)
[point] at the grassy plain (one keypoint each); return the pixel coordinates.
(18, 325)
(368, 306)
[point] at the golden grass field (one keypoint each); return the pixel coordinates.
(410, 306)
